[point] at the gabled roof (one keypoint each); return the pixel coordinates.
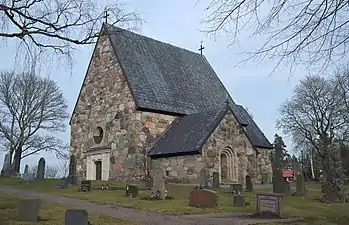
(164, 78)
(187, 134)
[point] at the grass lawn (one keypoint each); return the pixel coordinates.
(314, 212)
(51, 214)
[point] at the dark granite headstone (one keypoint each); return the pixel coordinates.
(236, 189)
(28, 210)
(203, 198)
(63, 183)
(148, 182)
(86, 185)
(215, 181)
(249, 184)
(300, 185)
(40, 173)
(76, 217)
(239, 201)
(72, 170)
(5, 172)
(288, 189)
(131, 191)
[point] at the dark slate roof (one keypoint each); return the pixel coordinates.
(165, 78)
(254, 134)
(187, 134)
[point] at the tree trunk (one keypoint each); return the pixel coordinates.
(17, 161)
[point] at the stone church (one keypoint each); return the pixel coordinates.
(145, 103)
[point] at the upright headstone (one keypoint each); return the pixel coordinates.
(288, 189)
(28, 210)
(236, 189)
(26, 169)
(204, 176)
(76, 217)
(239, 201)
(215, 180)
(27, 175)
(6, 168)
(270, 203)
(203, 198)
(131, 191)
(158, 175)
(40, 173)
(300, 185)
(249, 184)
(72, 170)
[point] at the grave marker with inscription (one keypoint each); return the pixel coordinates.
(270, 202)
(40, 173)
(203, 198)
(215, 180)
(131, 191)
(86, 185)
(236, 189)
(158, 175)
(204, 176)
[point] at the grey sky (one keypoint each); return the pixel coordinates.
(178, 22)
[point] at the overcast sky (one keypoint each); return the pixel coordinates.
(179, 23)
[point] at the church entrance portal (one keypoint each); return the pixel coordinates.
(228, 167)
(98, 170)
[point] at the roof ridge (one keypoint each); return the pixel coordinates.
(153, 39)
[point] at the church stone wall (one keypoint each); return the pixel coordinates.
(226, 137)
(106, 102)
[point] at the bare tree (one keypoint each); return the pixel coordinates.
(309, 33)
(58, 25)
(341, 82)
(51, 172)
(313, 117)
(32, 112)
(63, 162)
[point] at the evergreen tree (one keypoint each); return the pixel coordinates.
(278, 156)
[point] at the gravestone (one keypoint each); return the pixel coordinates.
(76, 217)
(215, 180)
(86, 185)
(158, 175)
(28, 210)
(28, 175)
(236, 189)
(204, 176)
(270, 203)
(239, 201)
(40, 173)
(148, 182)
(131, 191)
(300, 185)
(203, 198)
(6, 168)
(249, 184)
(63, 183)
(288, 189)
(72, 170)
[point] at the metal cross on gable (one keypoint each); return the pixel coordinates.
(106, 14)
(201, 47)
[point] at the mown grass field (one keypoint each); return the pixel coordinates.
(309, 207)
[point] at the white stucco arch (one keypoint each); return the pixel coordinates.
(232, 167)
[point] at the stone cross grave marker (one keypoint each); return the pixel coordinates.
(300, 185)
(131, 191)
(271, 203)
(203, 198)
(72, 170)
(204, 176)
(158, 175)
(76, 217)
(215, 180)
(28, 210)
(6, 168)
(249, 184)
(236, 189)
(40, 174)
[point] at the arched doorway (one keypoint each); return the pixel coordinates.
(228, 166)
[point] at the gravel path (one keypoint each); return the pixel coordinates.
(136, 216)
